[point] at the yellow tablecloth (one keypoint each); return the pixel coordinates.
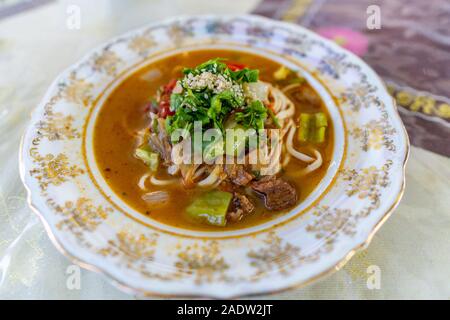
(411, 250)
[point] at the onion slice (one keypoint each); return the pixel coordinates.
(156, 198)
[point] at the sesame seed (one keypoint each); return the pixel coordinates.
(216, 83)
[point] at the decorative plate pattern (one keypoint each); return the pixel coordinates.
(89, 223)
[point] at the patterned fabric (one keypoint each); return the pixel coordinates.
(411, 52)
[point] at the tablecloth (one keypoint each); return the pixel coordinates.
(410, 252)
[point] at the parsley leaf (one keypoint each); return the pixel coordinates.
(253, 116)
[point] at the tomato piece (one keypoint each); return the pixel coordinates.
(164, 110)
(234, 66)
(168, 88)
(164, 104)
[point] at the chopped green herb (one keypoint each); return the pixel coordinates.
(253, 116)
(212, 97)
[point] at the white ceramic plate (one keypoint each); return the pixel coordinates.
(96, 229)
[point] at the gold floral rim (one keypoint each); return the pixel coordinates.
(145, 261)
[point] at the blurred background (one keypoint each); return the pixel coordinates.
(406, 42)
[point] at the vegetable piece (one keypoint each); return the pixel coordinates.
(321, 120)
(305, 127)
(313, 127)
(281, 73)
(234, 66)
(165, 100)
(164, 110)
(150, 158)
(321, 123)
(211, 208)
(319, 135)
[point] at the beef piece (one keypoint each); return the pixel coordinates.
(228, 186)
(237, 174)
(240, 205)
(278, 194)
(235, 215)
(243, 202)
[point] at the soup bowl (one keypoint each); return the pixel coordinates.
(95, 228)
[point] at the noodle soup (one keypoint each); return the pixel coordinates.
(222, 90)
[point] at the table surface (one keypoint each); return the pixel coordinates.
(411, 249)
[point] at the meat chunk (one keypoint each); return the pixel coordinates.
(278, 194)
(228, 186)
(243, 202)
(237, 174)
(240, 206)
(235, 215)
